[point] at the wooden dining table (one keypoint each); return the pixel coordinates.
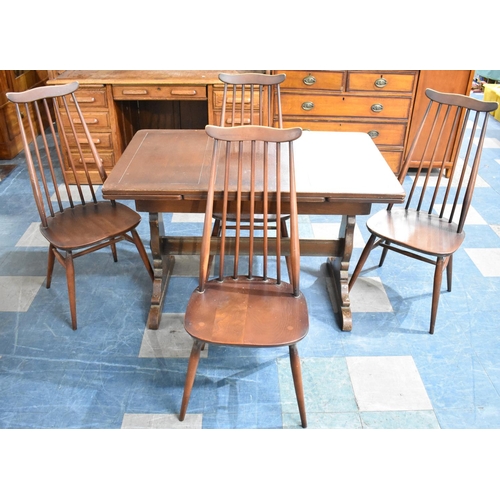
(337, 173)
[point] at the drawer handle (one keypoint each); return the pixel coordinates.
(380, 83)
(83, 140)
(373, 134)
(377, 108)
(307, 106)
(183, 92)
(135, 92)
(88, 121)
(85, 100)
(309, 80)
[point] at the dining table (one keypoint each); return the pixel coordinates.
(337, 173)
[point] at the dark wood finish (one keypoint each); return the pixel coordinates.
(241, 306)
(14, 81)
(73, 225)
(337, 173)
(430, 226)
(248, 99)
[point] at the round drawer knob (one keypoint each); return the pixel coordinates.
(309, 80)
(380, 83)
(373, 134)
(377, 108)
(307, 106)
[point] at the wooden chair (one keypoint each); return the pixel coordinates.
(238, 307)
(430, 226)
(72, 225)
(248, 100)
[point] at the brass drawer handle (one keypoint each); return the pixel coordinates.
(309, 80)
(380, 83)
(373, 134)
(135, 92)
(307, 106)
(377, 108)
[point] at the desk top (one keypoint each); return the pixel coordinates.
(329, 166)
(151, 77)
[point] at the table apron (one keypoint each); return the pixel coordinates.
(326, 207)
(191, 245)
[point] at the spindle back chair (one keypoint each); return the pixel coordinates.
(430, 226)
(73, 218)
(252, 171)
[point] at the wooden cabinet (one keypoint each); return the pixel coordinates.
(14, 81)
(387, 105)
(379, 103)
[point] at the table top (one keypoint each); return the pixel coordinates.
(135, 77)
(329, 166)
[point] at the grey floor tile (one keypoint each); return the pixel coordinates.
(387, 383)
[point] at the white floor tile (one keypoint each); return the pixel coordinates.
(170, 340)
(32, 237)
(489, 142)
(473, 216)
(74, 193)
(387, 383)
(17, 292)
(368, 295)
(178, 217)
(487, 260)
(496, 228)
(159, 421)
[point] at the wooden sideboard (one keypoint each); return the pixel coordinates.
(385, 104)
(14, 81)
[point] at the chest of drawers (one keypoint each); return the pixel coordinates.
(379, 103)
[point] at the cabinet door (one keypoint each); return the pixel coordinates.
(457, 82)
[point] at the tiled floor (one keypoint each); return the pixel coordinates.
(113, 373)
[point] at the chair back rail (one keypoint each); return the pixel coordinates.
(447, 116)
(251, 94)
(48, 162)
(253, 165)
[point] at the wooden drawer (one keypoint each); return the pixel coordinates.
(380, 82)
(373, 107)
(93, 119)
(383, 134)
(228, 120)
(91, 97)
(393, 158)
(155, 92)
(102, 140)
(313, 80)
(108, 160)
(218, 97)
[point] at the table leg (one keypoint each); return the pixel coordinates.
(162, 268)
(338, 270)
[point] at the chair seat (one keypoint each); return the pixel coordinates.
(244, 312)
(88, 224)
(412, 229)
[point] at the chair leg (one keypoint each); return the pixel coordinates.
(297, 382)
(449, 272)
(383, 256)
(194, 358)
(142, 253)
(113, 251)
(362, 259)
(50, 266)
(70, 279)
(438, 278)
